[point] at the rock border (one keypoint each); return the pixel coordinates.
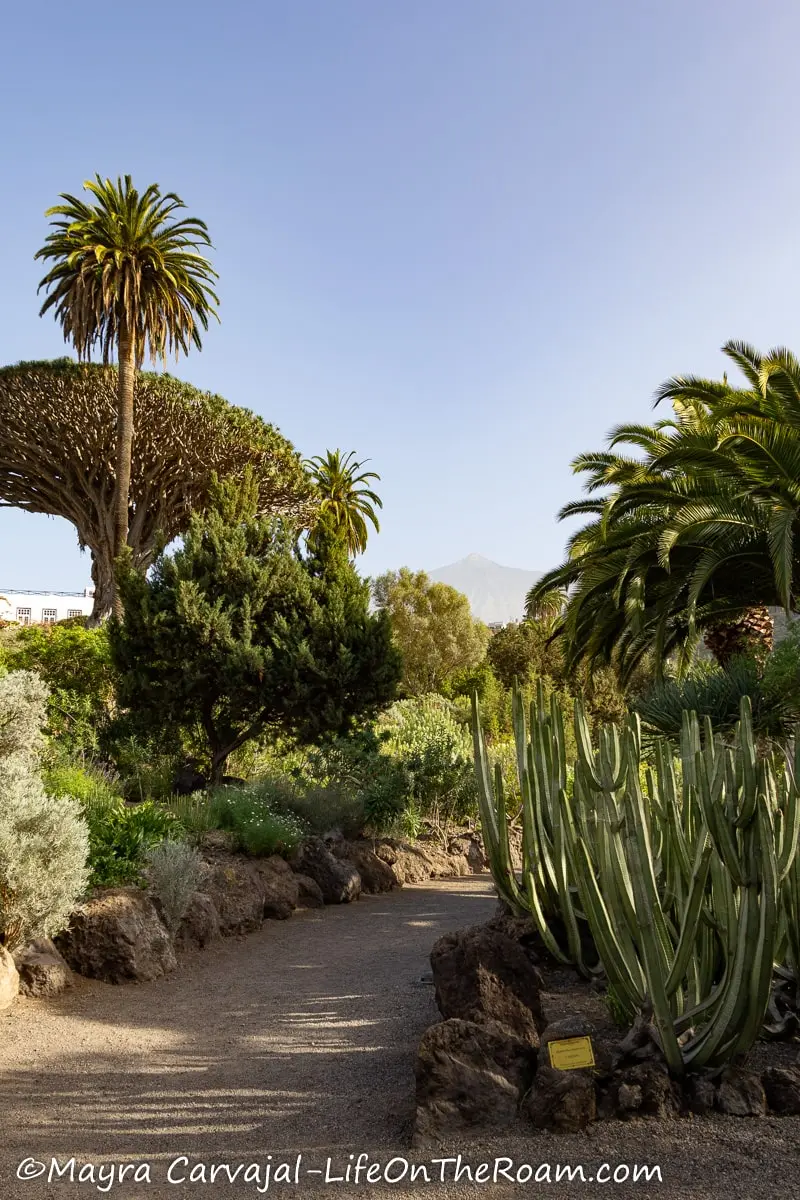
(485, 1065)
(117, 935)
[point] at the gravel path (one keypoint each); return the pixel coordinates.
(300, 1039)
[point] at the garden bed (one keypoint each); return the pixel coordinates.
(486, 1067)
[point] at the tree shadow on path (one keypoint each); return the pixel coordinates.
(301, 1037)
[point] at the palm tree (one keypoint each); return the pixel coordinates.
(346, 504)
(695, 532)
(546, 607)
(128, 276)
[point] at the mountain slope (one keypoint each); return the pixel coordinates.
(495, 593)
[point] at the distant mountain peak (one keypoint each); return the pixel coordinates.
(496, 593)
(473, 560)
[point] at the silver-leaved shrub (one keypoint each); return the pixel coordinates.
(44, 841)
(175, 871)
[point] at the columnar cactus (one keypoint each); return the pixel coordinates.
(686, 874)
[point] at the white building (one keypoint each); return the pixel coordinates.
(44, 608)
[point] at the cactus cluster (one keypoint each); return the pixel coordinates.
(682, 874)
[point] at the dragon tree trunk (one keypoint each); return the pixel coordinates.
(103, 582)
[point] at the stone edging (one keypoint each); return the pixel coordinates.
(485, 1066)
(117, 934)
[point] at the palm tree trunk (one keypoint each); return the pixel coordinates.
(126, 378)
(751, 633)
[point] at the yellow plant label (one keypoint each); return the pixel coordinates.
(571, 1053)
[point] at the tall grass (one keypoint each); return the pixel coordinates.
(194, 814)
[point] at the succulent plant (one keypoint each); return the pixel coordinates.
(684, 871)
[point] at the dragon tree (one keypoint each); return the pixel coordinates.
(58, 454)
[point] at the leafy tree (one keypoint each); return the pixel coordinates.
(57, 448)
(127, 276)
(75, 664)
(235, 632)
(519, 652)
(495, 699)
(694, 532)
(346, 504)
(432, 626)
(529, 651)
(604, 698)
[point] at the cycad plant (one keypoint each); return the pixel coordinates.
(710, 691)
(683, 871)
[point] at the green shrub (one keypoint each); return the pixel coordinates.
(146, 768)
(410, 822)
(194, 815)
(85, 782)
(435, 748)
(495, 699)
(43, 851)
(346, 783)
(23, 708)
(275, 791)
(269, 815)
(375, 784)
(505, 755)
(414, 764)
(325, 808)
(119, 837)
(781, 674)
(267, 834)
(318, 807)
(256, 827)
(387, 796)
(174, 871)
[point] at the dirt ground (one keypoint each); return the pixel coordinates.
(300, 1040)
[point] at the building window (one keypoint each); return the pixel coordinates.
(24, 616)
(49, 616)
(74, 612)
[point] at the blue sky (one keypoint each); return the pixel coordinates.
(462, 237)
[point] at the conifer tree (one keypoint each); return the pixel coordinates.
(239, 631)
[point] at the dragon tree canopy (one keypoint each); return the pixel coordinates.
(58, 448)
